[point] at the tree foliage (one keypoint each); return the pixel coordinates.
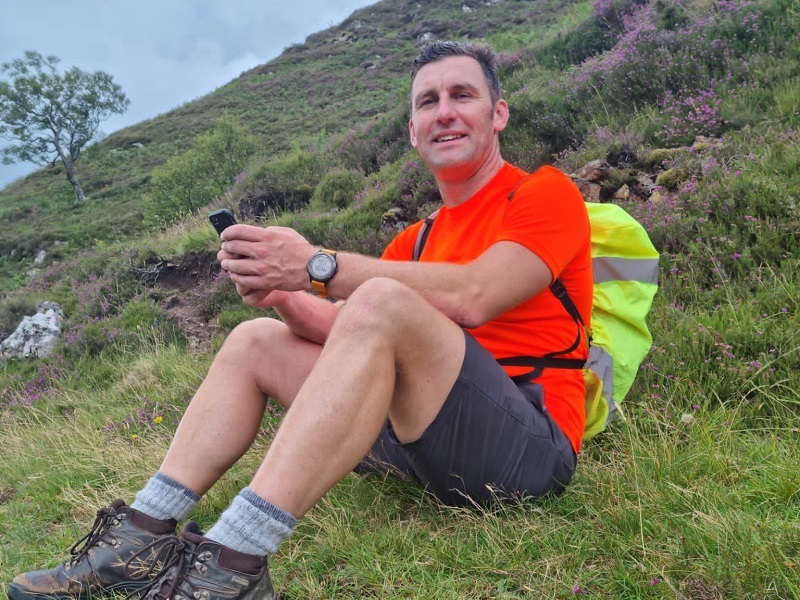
(187, 182)
(52, 117)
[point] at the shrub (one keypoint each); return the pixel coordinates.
(700, 59)
(190, 181)
(337, 189)
(220, 295)
(137, 324)
(283, 184)
(417, 188)
(369, 147)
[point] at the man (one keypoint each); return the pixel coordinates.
(404, 371)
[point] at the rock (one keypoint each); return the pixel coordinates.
(39, 260)
(623, 193)
(589, 190)
(35, 336)
(465, 8)
(594, 171)
(643, 185)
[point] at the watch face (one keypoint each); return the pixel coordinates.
(322, 266)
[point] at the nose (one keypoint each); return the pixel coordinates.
(445, 109)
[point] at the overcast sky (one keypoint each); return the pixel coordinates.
(163, 53)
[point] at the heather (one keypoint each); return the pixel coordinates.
(694, 494)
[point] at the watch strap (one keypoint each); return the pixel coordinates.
(320, 288)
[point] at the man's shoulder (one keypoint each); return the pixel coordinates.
(548, 174)
(402, 245)
(547, 180)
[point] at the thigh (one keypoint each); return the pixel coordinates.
(491, 440)
(266, 352)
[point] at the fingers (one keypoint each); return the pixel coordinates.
(248, 233)
(238, 266)
(265, 258)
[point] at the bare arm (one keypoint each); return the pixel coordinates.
(274, 258)
(307, 316)
(471, 294)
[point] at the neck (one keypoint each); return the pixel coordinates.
(458, 190)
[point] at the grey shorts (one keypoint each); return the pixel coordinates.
(493, 439)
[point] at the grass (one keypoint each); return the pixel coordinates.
(694, 495)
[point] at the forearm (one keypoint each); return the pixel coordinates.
(307, 316)
(447, 287)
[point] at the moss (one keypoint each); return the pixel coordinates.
(661, 156)
(672, 178)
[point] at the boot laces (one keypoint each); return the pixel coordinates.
(105, 517)
(170, 561)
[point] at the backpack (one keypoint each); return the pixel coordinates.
(625, 269)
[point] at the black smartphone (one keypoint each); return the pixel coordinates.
(222, 219)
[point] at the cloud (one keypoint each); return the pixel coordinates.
(163, 53)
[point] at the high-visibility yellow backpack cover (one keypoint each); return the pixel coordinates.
(625, 267)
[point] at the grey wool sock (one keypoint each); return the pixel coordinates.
(252, 525)
(164, 498)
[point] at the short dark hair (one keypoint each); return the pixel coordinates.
(440, 49)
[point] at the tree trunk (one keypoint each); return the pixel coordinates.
(73, 180)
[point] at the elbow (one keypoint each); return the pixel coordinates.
(472, 308)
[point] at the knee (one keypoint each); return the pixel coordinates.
(378, 305)
(253, 338)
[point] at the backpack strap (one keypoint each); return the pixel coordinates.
(551, 360)
(422, 236)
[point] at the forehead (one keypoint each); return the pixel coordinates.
(447, 73)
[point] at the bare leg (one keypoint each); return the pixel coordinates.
(260, 358)
(389, 354)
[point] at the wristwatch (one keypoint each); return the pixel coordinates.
(321, 268)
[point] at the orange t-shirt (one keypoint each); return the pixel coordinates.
(546, 215)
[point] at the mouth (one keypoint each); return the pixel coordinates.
(448, 138)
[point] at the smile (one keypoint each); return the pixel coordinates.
(448, 138)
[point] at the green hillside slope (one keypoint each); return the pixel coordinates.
(695, 107)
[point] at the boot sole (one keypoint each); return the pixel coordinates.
(17, 593)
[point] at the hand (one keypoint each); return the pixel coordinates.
(261, 260)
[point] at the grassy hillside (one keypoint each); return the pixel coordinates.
(696, 494)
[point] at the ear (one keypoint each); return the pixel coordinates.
(500, 115)
(412, 134)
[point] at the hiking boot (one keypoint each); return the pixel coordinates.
(200, 568)
(106, 560)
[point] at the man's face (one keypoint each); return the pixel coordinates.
(453, 123)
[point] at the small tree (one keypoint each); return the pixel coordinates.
(189, 181)
(53, 117)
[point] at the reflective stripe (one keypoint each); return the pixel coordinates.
(610, 268)
(602, 363)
